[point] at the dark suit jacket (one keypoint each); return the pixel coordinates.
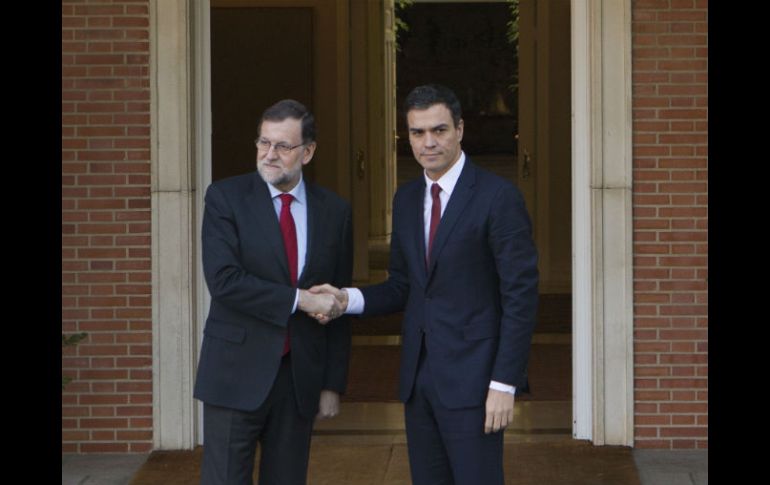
(476, 302)
(246, 270)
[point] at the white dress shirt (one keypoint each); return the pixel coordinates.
(447, 183)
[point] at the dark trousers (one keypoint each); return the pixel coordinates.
(231, 437)
(448, 446)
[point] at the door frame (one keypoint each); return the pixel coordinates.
(601, 214)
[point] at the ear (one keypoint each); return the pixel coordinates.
(460, 126)
(309, 151)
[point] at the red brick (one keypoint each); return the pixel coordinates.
(96, 399)
(100, 217)
(652, 371)
(644, 432)
(652, 420)
(685, 396)
(141, 374)
(74, 436)
(140, 399)
(103, 350)
(645, 408)
(133, 362)
(682, 383)
(683, 334)
(682, 371)
(652, 395)
(134, 435)
(683, 359)
(134, 338)
(683, 432)
(139, 301)
(654, 347)
(134, 411)
(141, 422)
(684, 408)
(97, 447)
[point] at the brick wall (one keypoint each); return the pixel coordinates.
(106, 226)
(670, 126)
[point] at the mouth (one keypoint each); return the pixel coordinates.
(431, 157)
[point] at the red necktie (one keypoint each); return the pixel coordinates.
(435, 216)
(289, 232)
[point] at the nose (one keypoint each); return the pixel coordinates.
(430, 140)
(271, 154)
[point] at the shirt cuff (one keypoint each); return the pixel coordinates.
(296, 302)
(355, 301)
(499, 386)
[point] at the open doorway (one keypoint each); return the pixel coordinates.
(509, 63)
(517, 114)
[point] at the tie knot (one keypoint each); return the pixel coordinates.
(286, 199)
(435, 189)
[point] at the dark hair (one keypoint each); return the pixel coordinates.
(289, 108)
(423, 97)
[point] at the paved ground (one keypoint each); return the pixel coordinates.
(100, 469)
(655, 468)
(672, 467)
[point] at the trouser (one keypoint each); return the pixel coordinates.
(449, 446)
(231, 438)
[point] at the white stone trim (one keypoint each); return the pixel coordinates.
(602, 233)
(603, 403)
(582, 239)
(202, 157)
(173, 230)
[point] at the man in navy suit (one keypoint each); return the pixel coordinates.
(463, 267)
(267, 369)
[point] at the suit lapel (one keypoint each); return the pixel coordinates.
(314, 225)
(461, 195)
(415, 227)
(263, 212)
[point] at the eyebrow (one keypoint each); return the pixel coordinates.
(281, 142)
(433, 128)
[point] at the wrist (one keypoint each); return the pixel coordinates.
(303, 299)
(345, 299)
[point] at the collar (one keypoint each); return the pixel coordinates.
(298, 191)
(448, 181)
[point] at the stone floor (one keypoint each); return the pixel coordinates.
(366, 445)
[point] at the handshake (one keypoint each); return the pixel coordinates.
(323, 302)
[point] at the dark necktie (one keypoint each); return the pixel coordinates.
(435, 217)
(289, 232)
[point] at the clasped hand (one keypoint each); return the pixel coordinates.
(323, 302)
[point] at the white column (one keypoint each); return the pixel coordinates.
(602, 236)
(173, 229)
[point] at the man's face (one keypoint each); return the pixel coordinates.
(434, 138)
(283, 170)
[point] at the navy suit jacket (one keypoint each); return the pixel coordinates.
(246, 270)
(476, 301)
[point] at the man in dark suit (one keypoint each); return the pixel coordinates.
(266, 368)
(463, 267)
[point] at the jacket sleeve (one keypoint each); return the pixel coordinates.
(510, 238)
(391, 295)
(339, 330)
(228, 281)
